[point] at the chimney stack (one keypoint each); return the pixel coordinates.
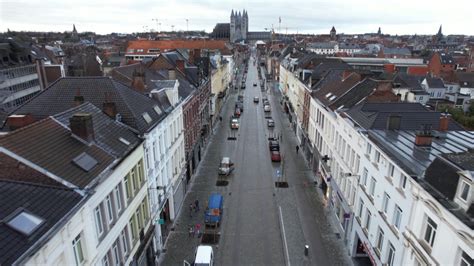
(444, 122)
(389, 68)
(171, 74)
(81, 126)
(110, 109)
(78, 100)
(138, 81)
(180, 65)
(18, 121)
(424, 137)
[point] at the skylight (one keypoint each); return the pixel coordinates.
(85, 161)
(25, 222)
(147, 117)
(328, 95)
(332, 97)
(157, 109)
(124, 141)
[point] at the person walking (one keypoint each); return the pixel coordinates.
(191, 208)
(297, 149)
(198, 230)
(191, 231)
(196, 205)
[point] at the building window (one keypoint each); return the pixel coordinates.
(361, 208)
(403, 181)
(379, 242)
(386, 199)
(397, 216)
(430, 231)
(77, 247)
(118, 198)
(391, 254)
(377, 157)
(139, 218)
(364, 177)
(372, 186)
(116, 254)
(140, 172)
(369, 149)
(133, 228)
(98, 221)
(105, 260)
(391, 170)
(124, 241)
(466, 260)
(465, 187)
(133, 180)
(367, 220)
(126, 183)
(110, 212)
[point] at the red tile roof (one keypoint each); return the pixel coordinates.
(417, 70)
(175, 44)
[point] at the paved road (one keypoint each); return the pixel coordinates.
(262, 225)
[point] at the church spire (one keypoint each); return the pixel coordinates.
(440, 32)
(232, 14)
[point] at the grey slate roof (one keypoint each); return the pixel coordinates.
(59, 97)
(51, 146)
(161, 84)
(397, 51)
(435, 82)
(355, 94)
(107, 132)
(39, 200)
(408, 81)
(412, 115)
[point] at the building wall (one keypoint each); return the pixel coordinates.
(59, 249)
(21, 84)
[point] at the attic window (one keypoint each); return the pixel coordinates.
(124, 141)
(332, 97)
(25, 222)
(85, 161)
(147, 117)
(157, 109)
(328, 95)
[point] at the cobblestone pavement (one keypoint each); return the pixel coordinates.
(262, 225)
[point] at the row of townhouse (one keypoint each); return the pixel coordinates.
(123, 213)
(403, 195)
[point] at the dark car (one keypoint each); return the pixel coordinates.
(273, 145)
(276, 157)
(237, 112)
(239, 105)
(240, 98)
(270, 123)
(255, 84)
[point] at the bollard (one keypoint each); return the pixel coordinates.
(306, 250)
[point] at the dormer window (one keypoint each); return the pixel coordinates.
(464, 191)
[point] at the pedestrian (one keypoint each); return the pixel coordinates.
(191, 208)
(191, 231)
(198, 230)
(297, 149)
(196, 205)
(220, 118)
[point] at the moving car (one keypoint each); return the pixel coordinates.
(255, 100)
(240, 105)
(234, 123)
(215, 207)
(226, 166)
(266, 108)
(204, 256)
(273, 145)
(276, 157)
(237, 112)
(270, 123)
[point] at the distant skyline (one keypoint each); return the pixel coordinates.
(303, 16)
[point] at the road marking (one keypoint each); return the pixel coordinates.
(284, 238)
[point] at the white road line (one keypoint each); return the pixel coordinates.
(284, 238)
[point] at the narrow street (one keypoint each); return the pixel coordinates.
(262, 224)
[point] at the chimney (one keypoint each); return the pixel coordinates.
(171, 74)
(110, 109)
(424, 137)
(138, 81)
(18, 121)
(197, 54)
(78, 100)
(444, 122)
(81, 126)
(389, 68)
(180, 65)
(393, 122)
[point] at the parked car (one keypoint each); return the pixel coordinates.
(270, 123)
(266, 108)
(215, 207)
(234, 123)
(255, 84)
(256, 100)
(276, 157)
(239, 105)
(226, 166)
(204, 256)
(273, 145)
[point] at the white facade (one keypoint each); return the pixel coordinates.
(87, 239)
(19, 85)
(165, 160)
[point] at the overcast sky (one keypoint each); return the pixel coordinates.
(304, 16)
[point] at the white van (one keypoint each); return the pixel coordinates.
(204, 256)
